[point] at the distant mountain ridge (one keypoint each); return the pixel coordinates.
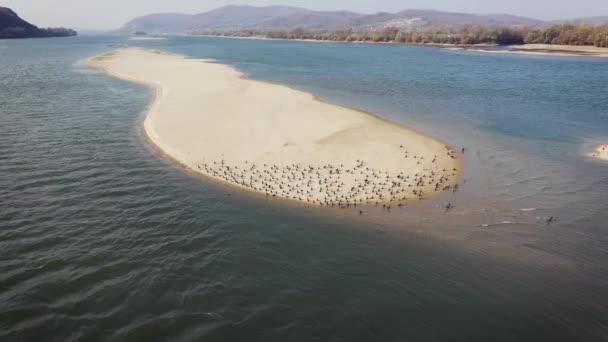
(158, 23)
(12, 26)
(286, 17)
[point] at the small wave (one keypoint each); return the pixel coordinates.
(486, 225)
(528, 209)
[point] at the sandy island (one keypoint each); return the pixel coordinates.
(600, 152)
(551, 50)
(146, 38)
(279, 141)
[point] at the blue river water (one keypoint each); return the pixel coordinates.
(103, 238)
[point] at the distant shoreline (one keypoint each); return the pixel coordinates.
(523, 49)
(551, 50)
(338, 41)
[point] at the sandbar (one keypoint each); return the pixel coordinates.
(146, 38)
(279, 141)
(600, 152)
(551, 50)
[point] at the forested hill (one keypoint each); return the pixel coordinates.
(408, 26)
(12, 26)
(555, 34)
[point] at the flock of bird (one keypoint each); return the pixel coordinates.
(601, 150)
(341, 185)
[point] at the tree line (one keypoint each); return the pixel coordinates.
(558, 34)
(28, 32)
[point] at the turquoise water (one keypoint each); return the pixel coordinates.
(102, 238)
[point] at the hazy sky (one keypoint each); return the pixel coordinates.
(109, 14)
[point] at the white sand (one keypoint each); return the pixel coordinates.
(551, 50)
(279, 141)
(600, 152)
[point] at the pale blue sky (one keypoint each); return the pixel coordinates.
(109, 14)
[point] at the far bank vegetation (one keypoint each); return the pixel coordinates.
(558, 34)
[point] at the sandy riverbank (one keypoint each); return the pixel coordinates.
(461, 46)
(146, 38)
(551, 50)
(279, 141)
(600, 152)
(525, 49)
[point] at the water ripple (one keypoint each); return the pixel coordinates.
(103, 239)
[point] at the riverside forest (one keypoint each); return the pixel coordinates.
(557, 34)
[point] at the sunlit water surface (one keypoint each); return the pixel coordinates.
(103, 238)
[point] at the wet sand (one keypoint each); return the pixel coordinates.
(600, 152)
(279, 141)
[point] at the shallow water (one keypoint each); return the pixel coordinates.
(102, 238)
